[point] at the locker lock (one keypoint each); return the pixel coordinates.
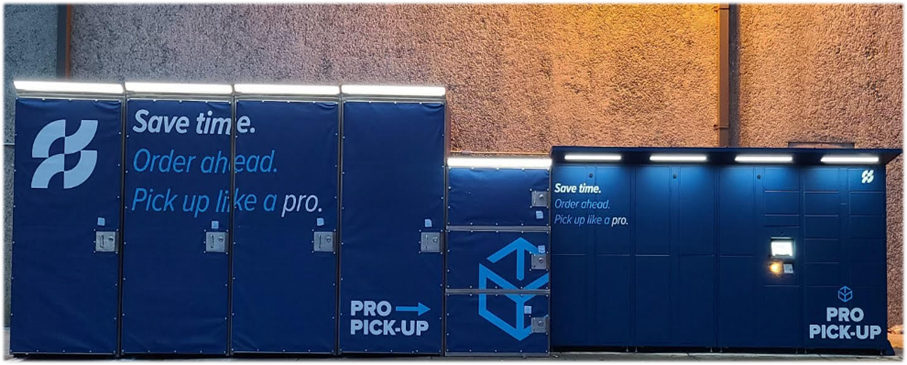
(539, 262)
(215, 242)
(323, 242)
(539, 199)
(430, 242)
(105, 241)
(539, 324)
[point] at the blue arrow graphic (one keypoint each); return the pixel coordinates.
(421, 308)
(520, 246)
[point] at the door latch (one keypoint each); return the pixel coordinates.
(105, 241)
(539, 262)
(215, 242)
(323, 242)
(431, 242)
(539, 199)
(539, 324)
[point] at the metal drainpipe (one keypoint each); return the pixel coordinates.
(724, 100)
(64, 39)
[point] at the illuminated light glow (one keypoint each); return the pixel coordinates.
(850, 159)
(287, 89)
(68, 87)
(592, 157)
(764, 158)
(783, 248)
(776, 268)
(175, 88)
(678, 158)
(499, 162)
(390, 90)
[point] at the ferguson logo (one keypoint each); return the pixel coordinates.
(53, 165)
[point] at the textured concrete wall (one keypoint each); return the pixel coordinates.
(30, 52)
(831, 73)
(521, 78)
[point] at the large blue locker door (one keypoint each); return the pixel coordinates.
(612, 230)
(286, 193)
(694, 291)
(571, 262)
(393, 191)
(496, 323)
(67, 188)
(738, 266)
(177, 196)
(653, 297)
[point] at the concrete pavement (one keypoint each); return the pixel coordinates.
(558, 358)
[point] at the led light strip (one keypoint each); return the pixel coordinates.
(500, 162)
(68, 87)
(840, 159)
(287, 89)
(174, 88)
(677, 158)
(389, 90)
(764, 158)
(592, 157)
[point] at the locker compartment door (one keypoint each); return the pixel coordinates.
(285, 220)
(67, 195)
(176, 220)
(392, 200)
(498, 197)
(491, 324)
(497, 260)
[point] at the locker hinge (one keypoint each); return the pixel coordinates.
(323, 242)
(539, 262)
(215, 242)
(105, 241)
(539, 324)
(431, 242)
(539, 199)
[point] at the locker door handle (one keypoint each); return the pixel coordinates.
(215, 242)
(430, 242)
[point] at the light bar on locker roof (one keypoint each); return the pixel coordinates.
(265, 89)
(500, 162)
(844, 159)
(764, 158)
(390, 90)
(678, 158)
(68, 87)
(592, 157)
(176, 88)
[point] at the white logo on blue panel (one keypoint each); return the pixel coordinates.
(868, 176)
(519, 247)
(53, 165)
(845, 294)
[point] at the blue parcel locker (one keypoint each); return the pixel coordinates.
(176, 217)
(723, 253)
(285, 223)
(66, 222)
(392, 216)
(497, 261)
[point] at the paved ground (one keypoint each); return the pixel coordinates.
(566, 358)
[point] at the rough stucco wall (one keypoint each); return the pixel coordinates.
(521, 77)
(30, 52)
(830, 73)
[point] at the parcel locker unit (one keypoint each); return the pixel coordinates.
(497, 263)
(727, 248)
(176, 222)
(285, 220)
(66, 219)
(392, 218)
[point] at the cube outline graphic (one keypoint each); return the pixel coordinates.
(845, 294)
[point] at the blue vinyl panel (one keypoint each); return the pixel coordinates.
(496, 197)
(495, 323)
(495, 260)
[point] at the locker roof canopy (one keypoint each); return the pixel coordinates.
(721, 156)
